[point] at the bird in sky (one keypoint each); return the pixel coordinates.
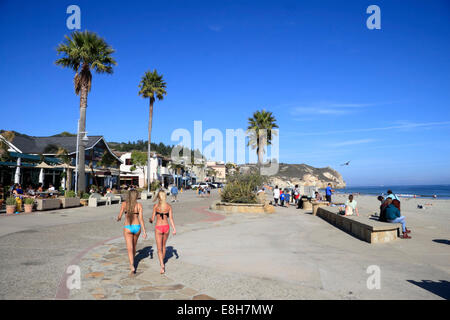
(346, 164)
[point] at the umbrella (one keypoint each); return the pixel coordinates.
(17, 175)
(41, 176)
(43, 165)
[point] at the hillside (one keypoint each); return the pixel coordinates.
(303, 174)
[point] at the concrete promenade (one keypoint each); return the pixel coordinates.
(286, 255)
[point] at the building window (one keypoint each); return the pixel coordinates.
(128, 162)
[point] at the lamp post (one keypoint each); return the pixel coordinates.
(84, 142)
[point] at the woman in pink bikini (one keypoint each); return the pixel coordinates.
(163, 212)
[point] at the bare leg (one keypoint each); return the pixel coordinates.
(164, 240)
(135, 239)
(129, 242)
(158, 238)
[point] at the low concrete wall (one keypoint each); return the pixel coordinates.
(70, 202)
(243, 207)
(47, 204)
(363, 228)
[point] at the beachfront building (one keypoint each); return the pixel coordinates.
(159, 170)
(51, 160)
(217, 169)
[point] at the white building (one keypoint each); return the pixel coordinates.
(159, 170)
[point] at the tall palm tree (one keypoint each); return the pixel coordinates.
(151, 86)
(83, 52)
(260, 128)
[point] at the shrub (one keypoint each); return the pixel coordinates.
(241, 188)
(10, 201)
(85, 196)
(29, 201)
(155, 185)
(69, 194)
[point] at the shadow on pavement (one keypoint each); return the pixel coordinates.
(440, 288)
(170, 252)
(443, 241)
(142, 254)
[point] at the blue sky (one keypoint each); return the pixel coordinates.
(339, 91)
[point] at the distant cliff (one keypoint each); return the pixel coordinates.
(304, 175)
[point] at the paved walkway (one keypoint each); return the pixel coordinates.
(287, 255)
(35, 249)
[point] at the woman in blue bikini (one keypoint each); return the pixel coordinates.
(134, 221)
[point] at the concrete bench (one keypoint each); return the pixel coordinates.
(317, 204)
(47, 204)
(95, 199)
(114, 197)
(145, 195)
(369, 230)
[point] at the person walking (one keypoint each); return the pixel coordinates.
(328, 193)
(134, 222)
(164, 214)
(296, 194)
(276, 195)
(174, 192)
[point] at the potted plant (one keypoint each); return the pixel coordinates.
(70, 199)
(84, 199)
(28, 205)
(10, 205)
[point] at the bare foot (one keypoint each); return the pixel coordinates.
(162, 270)
(132, 269)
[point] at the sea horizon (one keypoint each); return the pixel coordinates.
(419, 191)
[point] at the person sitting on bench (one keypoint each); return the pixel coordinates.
(382, 209)
(393, 216)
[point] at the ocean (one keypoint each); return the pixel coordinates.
(420, 191)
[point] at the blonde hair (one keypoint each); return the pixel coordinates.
(161, 197)
(131, 202)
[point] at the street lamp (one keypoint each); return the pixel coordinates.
(84, 142)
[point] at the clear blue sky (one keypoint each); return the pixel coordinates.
(339, 91)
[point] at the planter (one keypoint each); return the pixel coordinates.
(243, 207)
(10, 209)
(28, 208)
(47, 204)
(70, 202)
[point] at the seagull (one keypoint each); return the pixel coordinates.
(346, 164)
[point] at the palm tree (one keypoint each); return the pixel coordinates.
(83, 52)
(151, 86)
(260, 128)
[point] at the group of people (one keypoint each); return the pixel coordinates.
(204, 190)
(292, 196)
(31, 191)
(134, 223)
(390, 212)
(286, 196)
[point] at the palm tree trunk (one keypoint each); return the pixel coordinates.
(150, 119)
(81, 148)
(262, 138)
(69, 179)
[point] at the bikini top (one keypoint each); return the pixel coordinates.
(162, 214)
